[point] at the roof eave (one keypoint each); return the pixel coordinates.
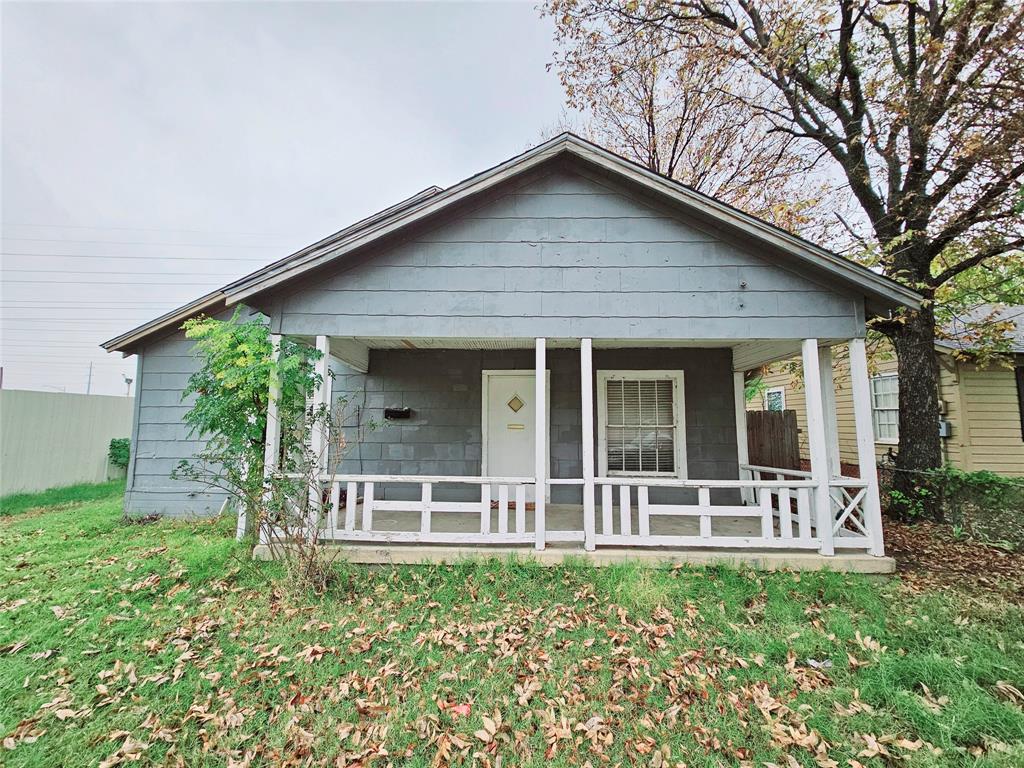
(892, 293)
(126, 342)
(247, 287)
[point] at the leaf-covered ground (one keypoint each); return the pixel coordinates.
(160, 645)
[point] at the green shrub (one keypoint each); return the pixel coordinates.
(983, 504)
(120, 451)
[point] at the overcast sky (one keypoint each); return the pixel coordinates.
(152, 152)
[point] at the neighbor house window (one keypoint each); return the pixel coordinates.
(885, 408)
(775, 399)
(640, 423)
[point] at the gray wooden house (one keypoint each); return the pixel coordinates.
(559, 345)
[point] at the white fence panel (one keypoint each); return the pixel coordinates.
(52, 439)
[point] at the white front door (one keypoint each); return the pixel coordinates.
(510, 425)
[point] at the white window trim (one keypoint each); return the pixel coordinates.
(678, 409)
(780, 390)
(871, 395)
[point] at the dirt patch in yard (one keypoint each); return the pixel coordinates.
(929, 555)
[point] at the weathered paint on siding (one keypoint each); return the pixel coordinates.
(565, 256)
(559, 255)
(444, 390)
(161, 439)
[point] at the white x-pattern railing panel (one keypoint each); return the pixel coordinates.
(634, 493)
(850, 522)
(850, 526)
(352, 519)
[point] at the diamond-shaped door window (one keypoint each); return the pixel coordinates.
(516, 403)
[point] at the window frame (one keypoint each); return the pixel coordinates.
(781, 391)
(678, 411)
(874, 408)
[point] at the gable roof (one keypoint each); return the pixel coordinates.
(882, 293)
(216, 301)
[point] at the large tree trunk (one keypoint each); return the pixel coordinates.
(919, 447)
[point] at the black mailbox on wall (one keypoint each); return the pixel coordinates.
(397, 414)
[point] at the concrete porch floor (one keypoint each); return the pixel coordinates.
(569, 517)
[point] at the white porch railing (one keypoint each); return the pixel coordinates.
(773, 501)
(353, 519)
(851, 523)
(783, 513)
(851, 526)
(777, 511)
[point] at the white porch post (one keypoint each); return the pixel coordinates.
(541, 433)
(272, 447)
(319, 435)
(817, 443)
(828, 402)
(587, 406)
(742, 451)
(866, 442)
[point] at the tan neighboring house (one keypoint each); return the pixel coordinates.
(982, 408)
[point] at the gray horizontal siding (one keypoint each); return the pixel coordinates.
(173, 502)
(444, 390)
(161, 439)
(565, 256)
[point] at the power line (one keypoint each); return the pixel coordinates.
(85, 330)
(93, 304)
(64, 361)
(99, 282)
(135, 242)
(146, 302)
(56, 330)
(148, 229)
(51, 329)
(59, 327)
(134, 256)
(87, 348)
(72, 323)
(78, 319)
(87, 336)
(123, 311)
(83, 354)
(89, 343)
(105, 272)
(50, 355)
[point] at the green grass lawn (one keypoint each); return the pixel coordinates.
(162, 643)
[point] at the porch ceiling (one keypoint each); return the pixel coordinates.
(388, 342)
(747, 353)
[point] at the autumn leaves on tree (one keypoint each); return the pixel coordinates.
(891, 131)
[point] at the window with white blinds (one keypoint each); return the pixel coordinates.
(640, 412)
(885, 408)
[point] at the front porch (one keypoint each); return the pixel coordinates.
(673, 539)
(763, 516)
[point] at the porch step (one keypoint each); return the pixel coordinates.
(410, 554)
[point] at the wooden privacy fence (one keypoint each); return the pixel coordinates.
(772, 439)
